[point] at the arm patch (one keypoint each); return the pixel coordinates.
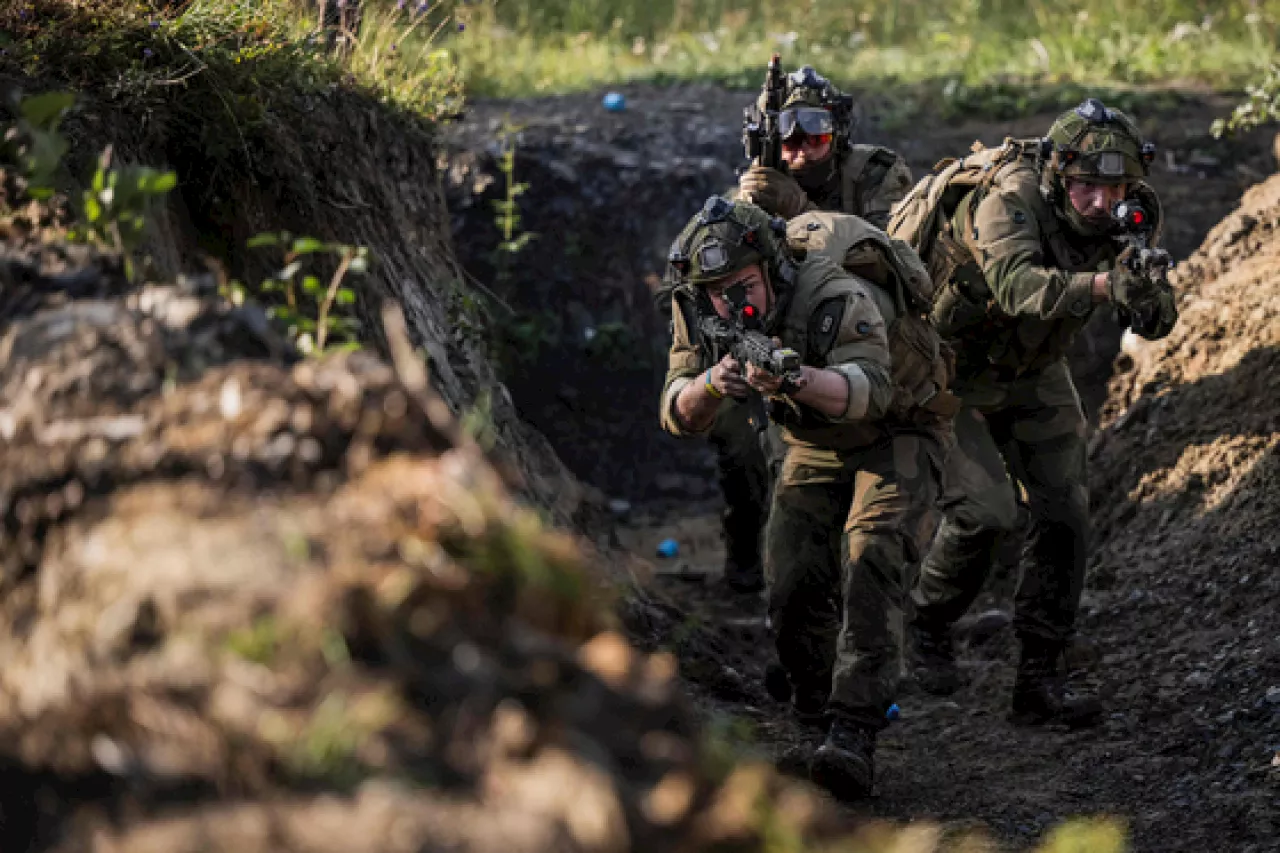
(824, 325)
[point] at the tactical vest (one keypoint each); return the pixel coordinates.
(817, 281)
(864, 166)
(922, 364)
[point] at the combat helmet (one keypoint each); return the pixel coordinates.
(809, 92)
(1095, 143)
(725, 237)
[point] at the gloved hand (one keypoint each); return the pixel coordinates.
(1147, 300)
(776, 193)
(1154, 316)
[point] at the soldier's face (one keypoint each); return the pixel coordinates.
(1094, 201)
(806, 150)
(759, 293)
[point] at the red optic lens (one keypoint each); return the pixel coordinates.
(1138, 217)
(749, 310)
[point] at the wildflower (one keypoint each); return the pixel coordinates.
(461, 26)
(146, 53)
(154, 25)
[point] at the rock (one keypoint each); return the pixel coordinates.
(1273, 695)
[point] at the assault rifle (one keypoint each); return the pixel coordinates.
(749, 346)
(1133, 229)
(761, 136)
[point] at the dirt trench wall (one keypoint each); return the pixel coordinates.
(605, 196)
(1185, 477)
(337, 166)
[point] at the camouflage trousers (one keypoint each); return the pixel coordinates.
(843, 530)
(747, 471)
(1029, 432)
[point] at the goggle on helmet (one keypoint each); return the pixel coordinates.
(799, 122)
(1094, 142)
(814, 107)
(723, 238)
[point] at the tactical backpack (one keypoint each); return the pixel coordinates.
(923, 365)
(923, 218)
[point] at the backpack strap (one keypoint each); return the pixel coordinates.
(864, 166)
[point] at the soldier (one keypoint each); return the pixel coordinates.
(852, 464)
(1030, 253)
(826, 171)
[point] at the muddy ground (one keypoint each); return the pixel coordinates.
(1189, 752)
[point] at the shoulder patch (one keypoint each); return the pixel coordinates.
(1019, 217)
(824, 325)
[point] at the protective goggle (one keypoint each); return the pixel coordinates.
(795, 124)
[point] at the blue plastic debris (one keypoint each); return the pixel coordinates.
(668, 548)
(893, 713)
(615, 102)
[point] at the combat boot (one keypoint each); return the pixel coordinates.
(743, 578)
(1045, 692)
(933, 659)
(808, 705)
(845, 763)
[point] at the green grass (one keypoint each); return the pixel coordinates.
(999, 56)
(522, 47)
(236, 55)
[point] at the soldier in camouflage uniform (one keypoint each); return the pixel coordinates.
(826, 171)
(1035, 254)
(835, 608)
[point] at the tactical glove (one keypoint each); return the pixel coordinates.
(1148, 303)
(1155, 316)
(774, 192)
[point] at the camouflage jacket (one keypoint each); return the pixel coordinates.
(835, 320)
(1038, 274)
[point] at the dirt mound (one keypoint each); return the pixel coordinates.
(338, 165)
(256, 603)
(1186, 487)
